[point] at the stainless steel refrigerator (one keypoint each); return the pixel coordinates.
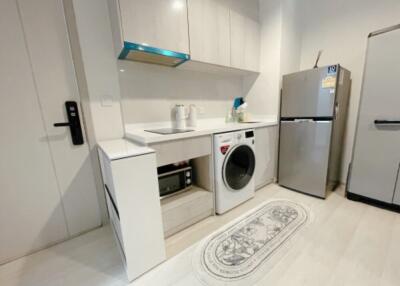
(312, 123)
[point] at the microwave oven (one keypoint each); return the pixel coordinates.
(174, 179)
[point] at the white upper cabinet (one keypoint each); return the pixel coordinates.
(245, 35)
(209, 30)
(160, 24)
(225, 33)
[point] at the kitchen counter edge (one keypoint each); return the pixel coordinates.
(138, 135)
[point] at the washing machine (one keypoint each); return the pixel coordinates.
(234, 163)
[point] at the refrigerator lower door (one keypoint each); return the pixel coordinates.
(304, 156)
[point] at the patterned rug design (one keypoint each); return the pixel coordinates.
(240, 249)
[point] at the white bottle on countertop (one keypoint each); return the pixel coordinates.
(192, 121)
(180, 116)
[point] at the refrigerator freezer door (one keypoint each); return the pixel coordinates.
(376, 152)
(309, 93)
(304, 156)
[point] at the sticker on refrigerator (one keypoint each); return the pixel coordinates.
(329, 82)
(332, 69)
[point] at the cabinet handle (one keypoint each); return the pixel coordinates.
(387, 122)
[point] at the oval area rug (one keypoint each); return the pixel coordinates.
(241, 252)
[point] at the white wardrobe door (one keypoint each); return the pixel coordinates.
(376, 155)
(48, 45)
(31, 215)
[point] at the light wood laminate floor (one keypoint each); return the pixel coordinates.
(348, 243)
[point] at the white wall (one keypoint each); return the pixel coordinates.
(263, 97)
(96, 69)
(340, 28)
(96, 66)
(291, 36)
(149, 91)
(280, 53)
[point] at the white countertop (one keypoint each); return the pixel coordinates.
(122, 148)
(204, 127)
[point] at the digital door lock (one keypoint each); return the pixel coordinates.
(73, 123)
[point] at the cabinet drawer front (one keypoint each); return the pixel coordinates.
(197, 147)
(181, 150)
(183, 215)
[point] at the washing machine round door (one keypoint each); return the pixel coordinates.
(239, 167)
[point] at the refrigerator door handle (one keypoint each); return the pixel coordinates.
(322, 121)
(311, 121)
(303, 120)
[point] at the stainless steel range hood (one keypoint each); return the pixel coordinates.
(151, 55)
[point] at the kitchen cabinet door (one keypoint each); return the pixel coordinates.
(134, 206)
(170, 152)
(209, 31)
(245, 41)
(266, 155)
(157, 23)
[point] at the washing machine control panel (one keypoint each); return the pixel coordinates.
(249, 134)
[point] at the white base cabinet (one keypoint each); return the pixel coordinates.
(181, 150)
(266, 155)
(131, 190)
